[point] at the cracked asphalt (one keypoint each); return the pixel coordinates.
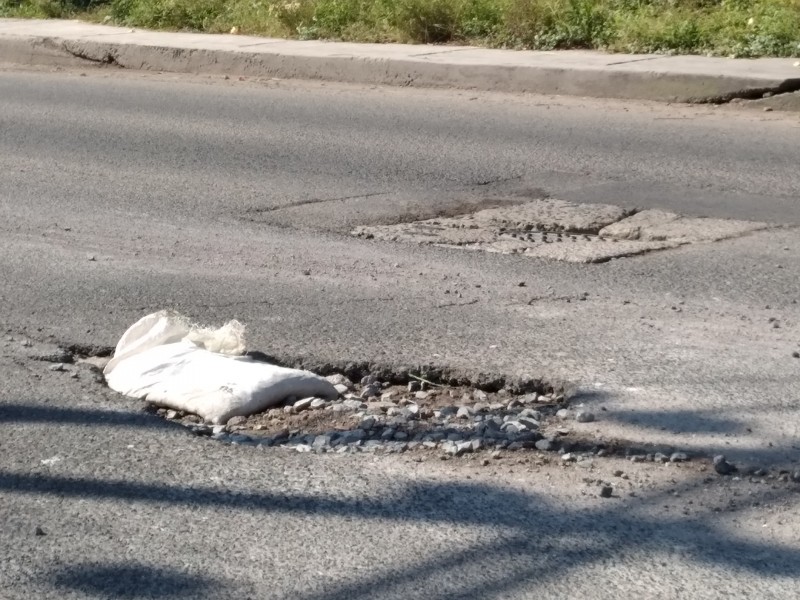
(124, 193)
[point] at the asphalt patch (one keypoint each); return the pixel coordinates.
(565, 231)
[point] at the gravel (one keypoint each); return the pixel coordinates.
(376, 416)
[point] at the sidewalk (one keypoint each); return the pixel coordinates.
(581, 73)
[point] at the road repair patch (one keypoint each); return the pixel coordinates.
(561, 230)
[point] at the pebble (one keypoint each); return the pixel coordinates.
(38, 531)
(353, 436)
(562, 413)
(463, 447)
(545, 445)
(339, 379)
(370, 391)
(584, 416)
(528, 423)
(447, 411)
(232, 422)
(302, 404)
(318, 403)
(341, 388)
(480, 396)
(58, 367)
(678, 457)
(413, 386)
(421, 395)
(569, 457)
(606, 491)
(722, 466)
(464, 412)
(531, 414)
(353, 404)
(237, 439)
(172, 414)
(660, 457)
(321, 441)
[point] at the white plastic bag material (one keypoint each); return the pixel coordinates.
(167, 361)
(166, 327)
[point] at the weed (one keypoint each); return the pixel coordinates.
(746, 28)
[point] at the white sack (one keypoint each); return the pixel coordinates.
(165, 360)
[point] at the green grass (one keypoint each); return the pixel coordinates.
(742, 28)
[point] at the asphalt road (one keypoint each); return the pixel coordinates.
(124, 193)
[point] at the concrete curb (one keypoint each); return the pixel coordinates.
(647, 77)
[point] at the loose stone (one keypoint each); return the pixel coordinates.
(722, 466)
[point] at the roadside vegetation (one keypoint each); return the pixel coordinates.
(741, 28)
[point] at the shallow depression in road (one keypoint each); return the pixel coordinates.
(565, 231)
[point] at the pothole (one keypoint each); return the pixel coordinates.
(561, 230)
(423, 410)
(440, 412)
(398, 411)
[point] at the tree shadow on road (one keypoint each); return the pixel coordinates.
(32, 413)
(679, 421)
(131, 581)
(530, 540)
